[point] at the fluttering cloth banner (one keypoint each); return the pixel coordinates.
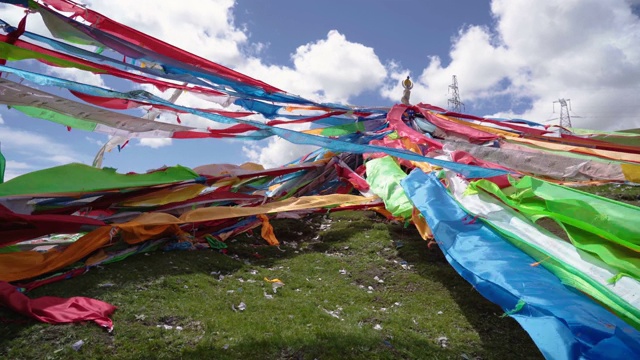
(568, 326)
(55, 310)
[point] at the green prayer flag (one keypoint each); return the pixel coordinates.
(3, 163)
(80, 178)
(384, 176)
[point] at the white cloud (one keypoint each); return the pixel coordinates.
(588, 51)
(203, 27)
(10, 174)
(277, 151)
(13, 14)
(155, 143)
(473, 59)
(331, 69)
(37, 148)
(94, 141)
(77, 75)
(192, 101)
(328, 69)
(61, 159)
(17, 165)
(1, 120)
(15, 169)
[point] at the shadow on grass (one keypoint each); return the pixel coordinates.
(140, 271)
(499, 335)
(133, 274)
(329, 345)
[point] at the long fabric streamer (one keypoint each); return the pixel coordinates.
(570, 327)
(490, 184)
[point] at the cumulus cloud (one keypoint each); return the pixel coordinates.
(16, 168)
(533, 54)
(13, 14)
(473, 58)
(155, 143)
(540, 51)
(331, 69)
(94, 141)
(326, 69)
(202, 27)
(193, 101)
(77, 75)
(39, 149)
(277, 151)
(194, 121)
(17, 165)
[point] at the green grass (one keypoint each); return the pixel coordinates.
(621, 192)
(325, 310)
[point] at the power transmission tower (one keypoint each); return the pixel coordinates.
(454, 102)
(565, 118)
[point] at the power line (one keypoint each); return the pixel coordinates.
(454, 102)
(611, 116)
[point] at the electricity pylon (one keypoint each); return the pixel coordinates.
(565, 118)
(454, 102)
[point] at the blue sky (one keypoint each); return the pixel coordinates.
(512, 58)
(407, 31)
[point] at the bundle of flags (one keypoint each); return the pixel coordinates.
(474, 186)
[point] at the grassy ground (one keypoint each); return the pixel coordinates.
(355, 287)
(620, 192)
